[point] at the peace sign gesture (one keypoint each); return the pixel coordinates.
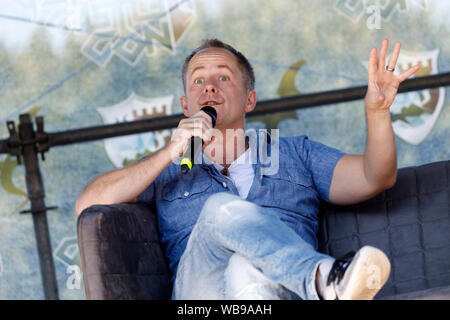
(383, 84)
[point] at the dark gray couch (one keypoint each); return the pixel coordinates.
(122, 258)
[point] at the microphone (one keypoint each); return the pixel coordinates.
(196, 143)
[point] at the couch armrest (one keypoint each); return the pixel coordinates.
(120, 252)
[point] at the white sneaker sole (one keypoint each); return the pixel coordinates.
(365, 276)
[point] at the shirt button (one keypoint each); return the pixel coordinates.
(224, 184)
(186, 194)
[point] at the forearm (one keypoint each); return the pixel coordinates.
(380, 156)
(124, 184)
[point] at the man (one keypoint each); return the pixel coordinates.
(220, 246)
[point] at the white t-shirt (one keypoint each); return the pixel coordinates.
(241, 173)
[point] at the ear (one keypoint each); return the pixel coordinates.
(252, 98)
(184, 106)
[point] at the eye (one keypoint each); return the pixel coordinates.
(198, 81)
(223, 78)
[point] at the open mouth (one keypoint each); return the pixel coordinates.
(211, 103)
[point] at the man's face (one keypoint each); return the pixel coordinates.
(214, 78)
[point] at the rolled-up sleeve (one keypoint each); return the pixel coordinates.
(320, 160)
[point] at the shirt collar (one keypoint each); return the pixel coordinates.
(252, 136)
(243, 159)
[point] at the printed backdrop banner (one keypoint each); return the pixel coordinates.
(81, 63)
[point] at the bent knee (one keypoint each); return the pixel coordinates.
(214, 203)
(220, 198)
(225, 207)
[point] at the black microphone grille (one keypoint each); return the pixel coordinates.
(211, 112)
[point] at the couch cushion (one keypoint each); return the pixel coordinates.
(409, 222)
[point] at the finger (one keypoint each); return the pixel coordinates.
(203, 115)
(182, 122)
(393, 60)
(204, 118)
(207, 135)
(405, 75)
(186, 131)
(207, 143)
(207, 122)
(207, 117)
(186, 124)
(202, 129)
(373, 65)
(199, 121)
(383, 50)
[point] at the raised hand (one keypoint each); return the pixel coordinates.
(383, 84)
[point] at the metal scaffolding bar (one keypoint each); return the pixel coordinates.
(262, 108)
(36, 194)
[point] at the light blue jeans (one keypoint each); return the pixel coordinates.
(239, 250)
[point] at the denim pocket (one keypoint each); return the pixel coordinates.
(289, 189)
(181, 204)
(289, 175)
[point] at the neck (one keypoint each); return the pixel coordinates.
(227, 146)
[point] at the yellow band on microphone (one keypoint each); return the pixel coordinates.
(187, 162)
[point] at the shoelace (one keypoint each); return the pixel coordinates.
(339, 266)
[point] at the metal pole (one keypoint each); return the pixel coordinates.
(113, 130)
(342, 95)
(262, 108)
(36, 194)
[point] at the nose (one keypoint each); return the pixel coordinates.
(210, 88)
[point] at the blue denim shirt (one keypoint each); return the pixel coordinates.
(291, 184)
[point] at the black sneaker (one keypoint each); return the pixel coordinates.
(359, 276)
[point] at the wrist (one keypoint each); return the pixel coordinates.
(381, 113)
(172, 150)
